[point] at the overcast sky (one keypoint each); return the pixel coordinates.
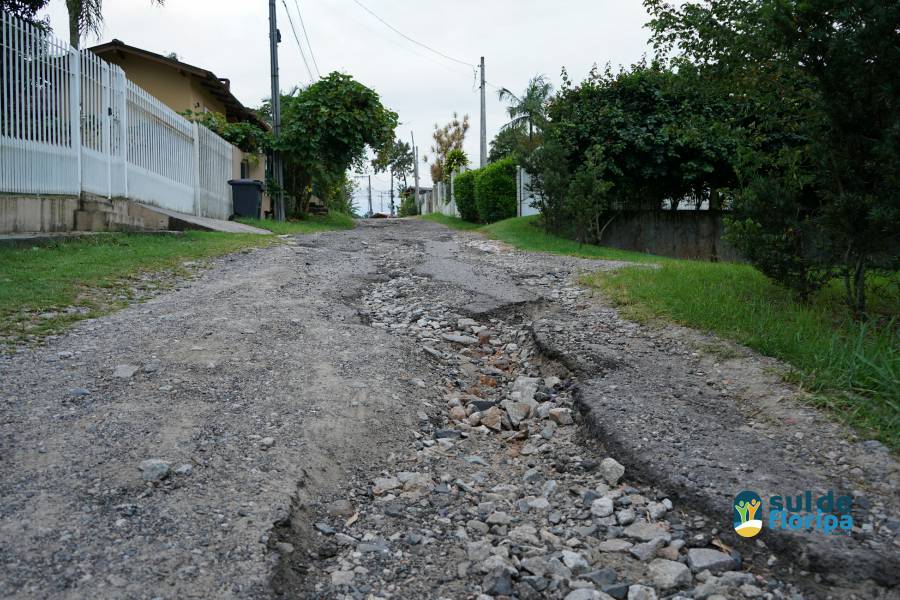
(518, 38)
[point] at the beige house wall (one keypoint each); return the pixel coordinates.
(179, 91)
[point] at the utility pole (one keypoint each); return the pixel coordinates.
(370, 196)
(277, 166)
(392, 191)
(483, 124)
(415, 166)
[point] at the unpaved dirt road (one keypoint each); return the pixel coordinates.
(402, 411)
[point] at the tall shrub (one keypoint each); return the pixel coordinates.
(495, 191)
(464, 190)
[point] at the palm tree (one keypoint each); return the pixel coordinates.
(528, 111)
(86, 16)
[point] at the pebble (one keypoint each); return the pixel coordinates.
(125, 371)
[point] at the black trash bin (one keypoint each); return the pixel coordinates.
(247, 196)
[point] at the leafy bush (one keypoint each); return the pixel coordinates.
(408, 207)
(464, 190)
(495, 191)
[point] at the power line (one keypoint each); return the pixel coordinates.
(416, 42)
(306, 36)
(299, 45)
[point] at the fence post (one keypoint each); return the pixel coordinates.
(196, 133)
(123, 123)
(75, 110)
(518, 191)
(106, 117)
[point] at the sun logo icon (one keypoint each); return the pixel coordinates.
(746, 505)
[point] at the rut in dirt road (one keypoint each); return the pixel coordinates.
(402, 411)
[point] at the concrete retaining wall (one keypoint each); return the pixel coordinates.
(20, 214)
(675, 233)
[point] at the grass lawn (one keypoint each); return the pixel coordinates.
(95, 273)
(852, 369)
(312, 224)
(451, 222)
(522, 233)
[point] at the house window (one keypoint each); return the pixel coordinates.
(245, 169)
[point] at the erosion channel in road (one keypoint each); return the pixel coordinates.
(404, 411)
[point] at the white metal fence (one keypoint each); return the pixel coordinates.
(440, 200)
(527, 201)
(71, 123)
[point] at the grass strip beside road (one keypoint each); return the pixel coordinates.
(96, 273)
(524, 234)
(312, 224)
(850, 368)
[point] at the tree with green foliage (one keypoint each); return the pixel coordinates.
(448, 138)
(528, 111)
(820, 163)
(27, 11)
(408, 206)
(399, 161)
(326, 129)
(513, 143)
(646, 132)
(249, 137)
(339, 197)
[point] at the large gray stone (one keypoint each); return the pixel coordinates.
(154, 469)
(702, 559)
(518, 410)
(641, 592)
(524, 388)
(587, 594)
(602, 507)
(647, 531)
(611, 470)
(668, 574)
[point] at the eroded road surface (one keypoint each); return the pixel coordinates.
(402, 411)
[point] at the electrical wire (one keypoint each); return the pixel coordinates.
(299, 45)
(306, 37)
(416, 42)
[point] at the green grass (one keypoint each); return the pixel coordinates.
(312, 224)
(96, 273)
(451, 222)
(851, 368)
(523, 233)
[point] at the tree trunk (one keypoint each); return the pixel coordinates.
(74, 8)
(714, 203)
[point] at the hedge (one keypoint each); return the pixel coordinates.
(495, 191)
(464, 191)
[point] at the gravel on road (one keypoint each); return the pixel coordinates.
(401, 411)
